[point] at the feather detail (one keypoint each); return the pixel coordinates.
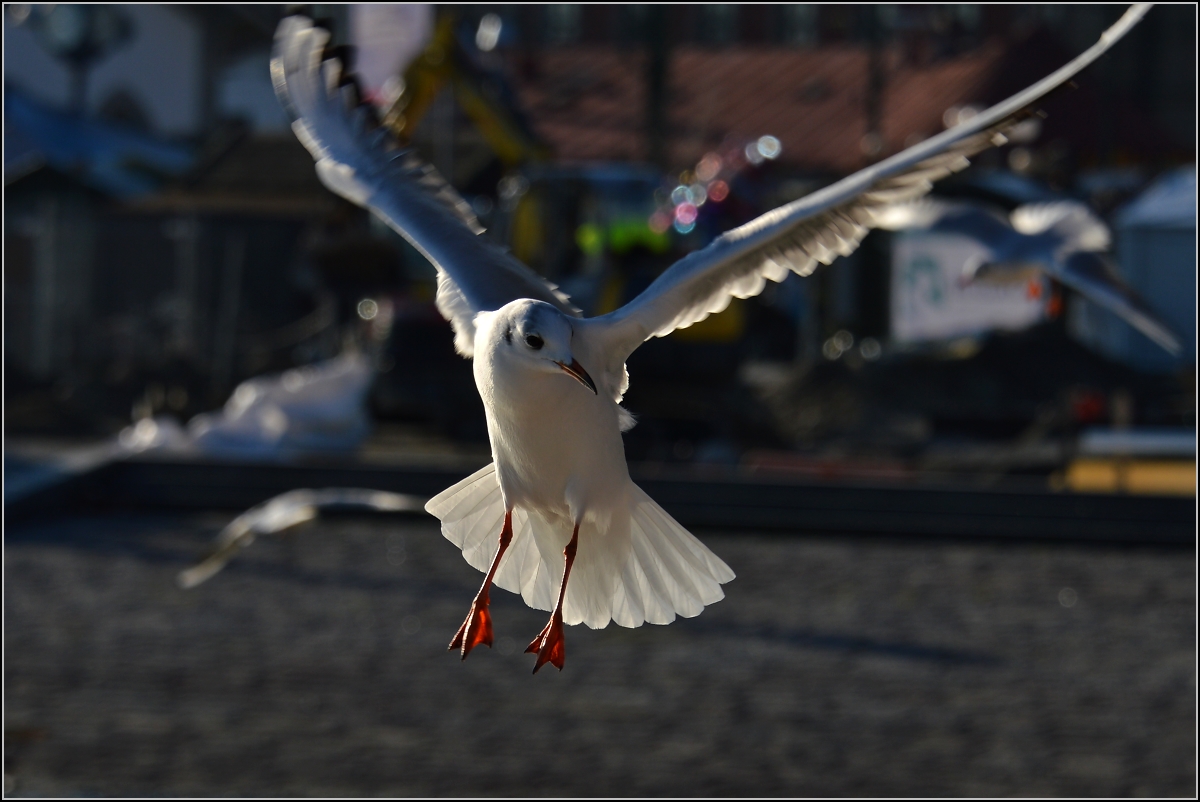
(826, 224)
(362, 161)
(1076, 224)
(638, 566)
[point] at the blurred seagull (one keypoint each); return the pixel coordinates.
(1062, 239)
(283, 512)
(552, 381)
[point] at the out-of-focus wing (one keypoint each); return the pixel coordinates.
(1091, 275)
(285, 511)
(972, 220)
(1063, 239)
(822, 226)
(1077, 226)
(361, 161)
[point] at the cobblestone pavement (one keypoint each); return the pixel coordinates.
(316, 664)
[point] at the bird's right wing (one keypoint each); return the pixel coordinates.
(1080, 264)
(361, 161)
(822, 226)
(1092, 276)
(1063, 238)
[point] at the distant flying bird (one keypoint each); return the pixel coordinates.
(1061, 239)
(283, 512)
(552, 381)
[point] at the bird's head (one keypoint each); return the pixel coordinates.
(535, 335)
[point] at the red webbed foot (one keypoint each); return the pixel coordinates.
(550, 646)
(476, 629)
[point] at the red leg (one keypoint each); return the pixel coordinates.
(550, 645)
(477, 628)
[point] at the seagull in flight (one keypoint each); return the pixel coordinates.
(1062, 239)
(576, 536)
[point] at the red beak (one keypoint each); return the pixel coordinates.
(576, 371)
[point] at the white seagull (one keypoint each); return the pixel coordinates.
(552, 381)
(1063, 239)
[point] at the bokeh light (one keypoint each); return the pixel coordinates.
(589, 238)
(708, 167)
(659, 222)
(488, 35)
(870, 349)
(686, 213)
(957, 115)
(718, 191)
(769, 147)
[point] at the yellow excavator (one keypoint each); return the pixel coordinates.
(489, 102)
(481, 95)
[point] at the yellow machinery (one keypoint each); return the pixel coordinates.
(445, 61)
(442, 62)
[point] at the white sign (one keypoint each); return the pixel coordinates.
(930, 300)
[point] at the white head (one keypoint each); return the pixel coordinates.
(536, 336)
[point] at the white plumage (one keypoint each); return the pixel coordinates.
(559, 467)
(667, 571)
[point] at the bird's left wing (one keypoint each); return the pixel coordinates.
(1075, 225)
(360, 160)
(822, 226)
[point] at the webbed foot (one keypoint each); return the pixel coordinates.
(476, 629)
(550, 646)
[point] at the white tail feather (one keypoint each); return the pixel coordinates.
(644, 567)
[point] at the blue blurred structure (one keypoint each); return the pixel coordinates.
(118, 161)
(1156, 250)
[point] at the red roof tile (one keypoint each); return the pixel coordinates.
(589, 102)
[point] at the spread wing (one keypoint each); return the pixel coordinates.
(1092, 276)
(361, 161)
(822, 226)
(1073, 222)
(1078, 261)
(285, 511)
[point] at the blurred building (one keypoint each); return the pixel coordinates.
(156, 204)
(164, 228)
(810, 67)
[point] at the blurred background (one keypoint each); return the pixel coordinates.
(996, 594)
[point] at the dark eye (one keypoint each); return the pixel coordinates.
(535, 342)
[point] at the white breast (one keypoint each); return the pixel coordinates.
(557, 446)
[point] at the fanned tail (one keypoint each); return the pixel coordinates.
(472, 513)
(669, 572)
(641, 568)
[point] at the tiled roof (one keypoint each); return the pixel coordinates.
(589, 102)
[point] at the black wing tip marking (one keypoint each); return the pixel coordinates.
(373, 133)
(345, 55)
